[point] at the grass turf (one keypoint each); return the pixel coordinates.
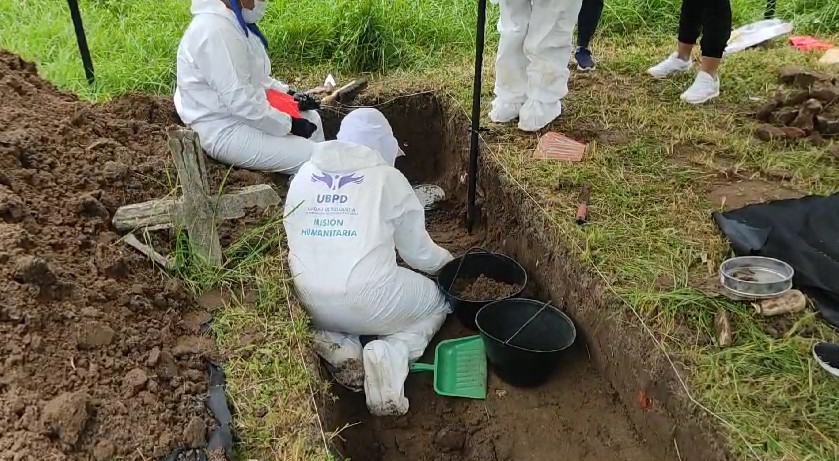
(654, 171)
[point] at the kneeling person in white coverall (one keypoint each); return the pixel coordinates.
(348, 212)
(223, 76)
(531, 67)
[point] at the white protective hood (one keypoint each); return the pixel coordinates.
(369, 127)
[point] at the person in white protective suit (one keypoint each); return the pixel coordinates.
(223, 75)
(348, 211)
(531, 67)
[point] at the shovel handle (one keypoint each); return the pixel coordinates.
(415, 367)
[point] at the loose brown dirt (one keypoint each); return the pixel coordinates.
(96, 362)
(483, 288)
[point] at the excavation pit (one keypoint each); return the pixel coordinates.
(590, 410)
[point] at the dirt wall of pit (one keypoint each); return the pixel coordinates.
(621, 350)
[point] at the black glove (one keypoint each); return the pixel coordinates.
(306, 101)
(302, 127)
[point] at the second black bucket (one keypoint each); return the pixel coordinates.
(471, 265)
(524, 352)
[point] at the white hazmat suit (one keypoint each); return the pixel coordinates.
(531, 67)
(222, 79)
(348, 211)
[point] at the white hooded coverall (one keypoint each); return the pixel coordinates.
(531, 67)
(222, 79)
(348, 211)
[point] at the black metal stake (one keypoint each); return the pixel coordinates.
(82, 40)
(476, 116)
(770, 9)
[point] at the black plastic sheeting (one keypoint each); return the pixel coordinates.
(221, 436)
(803, 232)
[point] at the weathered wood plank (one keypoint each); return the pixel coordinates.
(196, 212)
(164, 213)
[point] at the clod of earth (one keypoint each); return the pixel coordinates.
(827, 126)
(12, 208)
(66, 416)
(784, 115)
(89, 206)
(722, 324)
(135, 381)
(92, 335)
(104, 451)
(194, 345)
(767, 132)
(790, 302)
(195, 433)
(827, 94)
(833, 150)
(33, 270)
(802, 78)
(791, 132)
(807, 115)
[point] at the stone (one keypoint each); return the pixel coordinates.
(791, 132)
(154, 357)
(800, 77)
(104, 451)
(33, 270)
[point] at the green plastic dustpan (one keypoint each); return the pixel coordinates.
(460, 368)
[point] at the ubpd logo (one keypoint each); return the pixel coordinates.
(335, 182)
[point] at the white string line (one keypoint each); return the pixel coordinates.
(609, 286)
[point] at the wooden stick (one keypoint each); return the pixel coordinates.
(158, 258)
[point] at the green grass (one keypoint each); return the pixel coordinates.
(134, 43)
(650, 235)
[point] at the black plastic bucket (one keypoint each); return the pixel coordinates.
(477, 262)
(529, 358)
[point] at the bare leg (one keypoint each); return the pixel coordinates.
(684, 50)
(710, 65)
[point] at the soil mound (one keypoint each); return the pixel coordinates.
(92, 363)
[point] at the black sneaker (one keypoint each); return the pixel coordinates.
(827, 356)
(585, 61)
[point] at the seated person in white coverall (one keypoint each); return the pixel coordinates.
(531, 67)
(223, 74)
(348, 211)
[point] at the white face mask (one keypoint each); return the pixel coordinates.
(253, 16)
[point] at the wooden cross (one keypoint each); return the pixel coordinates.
(196, 210)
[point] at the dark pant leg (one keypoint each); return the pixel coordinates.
(587, 21)
(716, 28)
(690, 21)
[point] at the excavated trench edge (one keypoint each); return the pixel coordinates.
(621, 350)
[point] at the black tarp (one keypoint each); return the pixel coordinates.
(803, 232)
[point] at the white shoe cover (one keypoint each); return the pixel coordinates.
(503, 112)
(344, 355)
(385, 371)
(705, 88)
(535, 115)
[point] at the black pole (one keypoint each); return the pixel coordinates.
(770, 9)
(82, 40)
(476, 116)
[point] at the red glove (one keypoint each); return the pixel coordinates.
(284, 103)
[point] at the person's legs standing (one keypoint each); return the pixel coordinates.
(587, 22)
(510, 62)
(690, 27)
(548, 48)
(716, 30)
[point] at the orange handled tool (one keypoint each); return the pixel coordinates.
(582, 207)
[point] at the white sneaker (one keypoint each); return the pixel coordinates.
(670, 66)
(503, 112)
(705, 88)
